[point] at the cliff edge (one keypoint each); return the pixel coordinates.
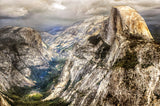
(125, 20)
(117, 66)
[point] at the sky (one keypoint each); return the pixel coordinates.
(43, 14)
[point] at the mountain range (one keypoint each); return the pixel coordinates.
(101, 61)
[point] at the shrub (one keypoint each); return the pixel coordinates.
(55, 102)
(127, 62)
(36, 97)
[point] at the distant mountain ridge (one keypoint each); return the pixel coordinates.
(56, 29)
(99, 61)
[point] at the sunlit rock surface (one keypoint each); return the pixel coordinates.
(24, 61)
(27, 61)
(124, 19)
(3, 102)
(110, 61)
(117, 65)
(62, 43)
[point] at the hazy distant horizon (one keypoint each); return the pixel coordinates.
(43, 14)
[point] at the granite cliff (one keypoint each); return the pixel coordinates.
(24, 61)
(119, 65)
(107, 61)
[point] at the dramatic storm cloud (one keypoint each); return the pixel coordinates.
(41, 14)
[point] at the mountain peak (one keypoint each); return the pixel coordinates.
(18, 35)
(112, 66)
(125, 20)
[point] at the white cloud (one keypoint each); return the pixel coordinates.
(57, 6)
(51, 12)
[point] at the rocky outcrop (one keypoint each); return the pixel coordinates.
(124, 19)
(23, 60)
(62, 43)
(3, 102)
(119, 65)
(110, 61)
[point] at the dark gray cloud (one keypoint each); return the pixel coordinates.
(41, 14)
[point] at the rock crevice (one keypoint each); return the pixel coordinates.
(114, 74)
(125, 20)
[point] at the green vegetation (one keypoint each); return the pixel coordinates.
(53, 78)
(112, 99)
(35, 97)
(55, 102)
(53, 81)
(135, 41)
(35, 100)
(129, 80)
(133, 45)
(138, 40)
(134, 37)
(127, 62)
(32, 99)
(18, 91)
(147, 60)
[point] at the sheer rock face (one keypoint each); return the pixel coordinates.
(124, 19)
(23, 61)
(114, 67)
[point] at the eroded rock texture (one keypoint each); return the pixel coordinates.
(23, 60)
(110, 61)
(126, 20)
(119, 65)
(3, 102)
